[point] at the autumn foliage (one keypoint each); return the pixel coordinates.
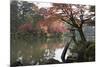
(26, 27)
(51, 25)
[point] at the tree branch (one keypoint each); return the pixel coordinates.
(68, 22)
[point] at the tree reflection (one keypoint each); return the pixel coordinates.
(34, 51)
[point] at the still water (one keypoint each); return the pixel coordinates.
(30, 50)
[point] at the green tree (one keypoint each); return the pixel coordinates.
(23, 12)
(14, 15)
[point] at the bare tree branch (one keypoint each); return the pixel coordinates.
(68, 22)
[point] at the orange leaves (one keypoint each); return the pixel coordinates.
(26, 27)
(51, 25)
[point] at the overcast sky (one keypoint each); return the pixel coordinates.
(45, 5)
(87, 2)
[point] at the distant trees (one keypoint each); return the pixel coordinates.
(52, 25)
(13, 15)
(22, 13)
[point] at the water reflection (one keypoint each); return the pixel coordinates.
(30, 51)
(58, 53)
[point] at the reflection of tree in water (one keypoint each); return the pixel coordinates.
(49, 53)
(32, 51)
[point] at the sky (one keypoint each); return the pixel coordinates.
(92, 2)
(40, 4)
(45, 5)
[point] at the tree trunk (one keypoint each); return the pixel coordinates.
(82, 35)
(64, 51)
(84, 42)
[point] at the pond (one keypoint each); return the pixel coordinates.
(35, 50)
(31, 50)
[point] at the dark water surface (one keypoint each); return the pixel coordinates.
(31, 50)
(35, 50)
